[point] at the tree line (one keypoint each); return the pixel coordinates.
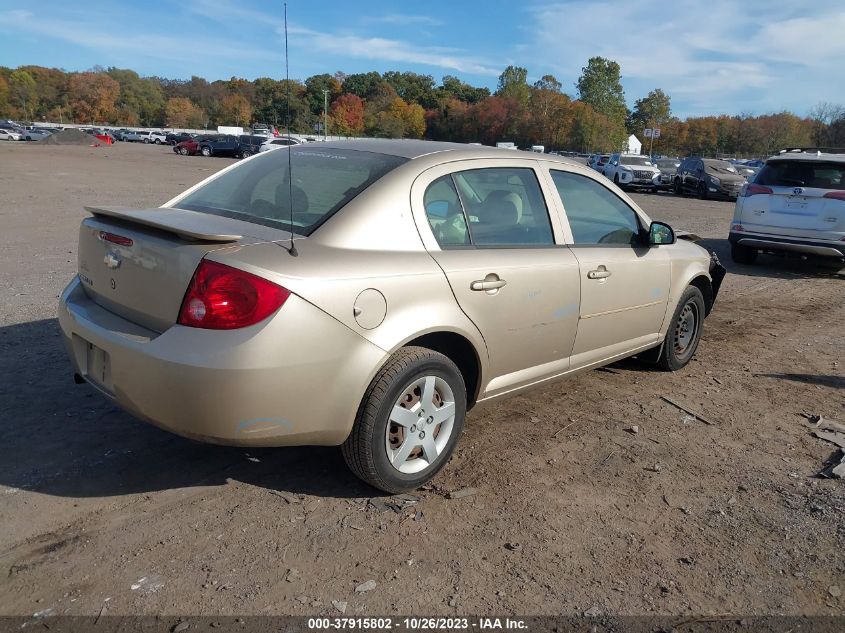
(410, 105)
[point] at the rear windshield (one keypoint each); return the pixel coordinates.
(260, 190)
(802, 173)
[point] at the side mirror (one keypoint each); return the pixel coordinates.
(660, 233)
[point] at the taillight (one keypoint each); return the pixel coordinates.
(752, 190)
(224, 298)
(737, 227)
(836, 195)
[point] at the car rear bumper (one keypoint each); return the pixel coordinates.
(296, 378)
(773, 244)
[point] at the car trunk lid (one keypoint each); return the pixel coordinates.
(138, 263)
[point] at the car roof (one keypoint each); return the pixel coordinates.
(809, 156)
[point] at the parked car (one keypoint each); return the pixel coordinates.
(708, 177)
(172, 138)
(189, 147)
(154, 137)
(276, 143)
(220, 145)
(794, 206)
(598, 161)
(632, 171)
(249, 144)
(133, 137)
(9, 135)
(668, 168)
(36, 133)
(746, 172)
(388, 324)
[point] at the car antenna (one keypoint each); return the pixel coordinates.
(292, 250)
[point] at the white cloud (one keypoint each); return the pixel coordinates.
(405, 20)
(721, 56)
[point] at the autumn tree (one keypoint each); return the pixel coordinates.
(236, 109)
(347, 115)
(180, 112)
(93, 97)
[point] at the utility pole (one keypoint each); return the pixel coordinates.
(325, 114)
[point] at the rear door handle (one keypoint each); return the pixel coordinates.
(600, 273)
(488, 283)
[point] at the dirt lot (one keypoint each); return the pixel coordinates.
(572, 512)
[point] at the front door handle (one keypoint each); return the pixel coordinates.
(600, 273)
(490, 282)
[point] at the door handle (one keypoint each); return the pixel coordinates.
(488, 283)
(601, 273)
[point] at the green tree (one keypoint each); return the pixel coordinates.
(653, 110)
(600, 87)
(314, 95)
(513, 84)
(365, 85)
(453, 88)
(22, 93)
(413, 88)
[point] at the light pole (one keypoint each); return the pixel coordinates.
(325, 114)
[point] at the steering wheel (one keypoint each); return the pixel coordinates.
(263, 207)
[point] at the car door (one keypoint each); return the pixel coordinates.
(487, 225)
(624, 283)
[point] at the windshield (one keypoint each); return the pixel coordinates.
(260, 191)
(635, 160)
(802, 173)
(719, 166)
(668, 164)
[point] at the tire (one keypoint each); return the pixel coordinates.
(407, 377)
(677, 187)
(684, 332)
(183, 151)
(146, 141)
(158, 141)
(246, 153)
(205, 151)
(702, 191)
(743, 254)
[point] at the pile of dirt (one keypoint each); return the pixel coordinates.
(69, 137)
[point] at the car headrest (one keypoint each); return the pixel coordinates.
(502, 207)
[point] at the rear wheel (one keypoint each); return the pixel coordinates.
(685, 331)
(743, 254)
(246, 153)
(409, 421)
(158, 141)
(183, 151)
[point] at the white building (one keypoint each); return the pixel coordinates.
(634, 146)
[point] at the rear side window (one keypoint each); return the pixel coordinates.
(596, 215)
(261, 191)
(802, 173)
(498, 207)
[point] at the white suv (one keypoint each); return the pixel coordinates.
(632, 170)
(794, 206)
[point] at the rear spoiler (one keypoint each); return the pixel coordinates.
(188, 225)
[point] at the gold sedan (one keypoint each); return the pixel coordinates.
(368, 293)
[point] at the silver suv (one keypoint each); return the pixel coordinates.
(794, 206)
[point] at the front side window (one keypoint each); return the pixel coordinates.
(596, 215)
(261, 191)
(501, 206)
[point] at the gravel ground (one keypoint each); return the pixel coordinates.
(570, 511)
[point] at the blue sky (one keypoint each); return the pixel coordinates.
(710, 56)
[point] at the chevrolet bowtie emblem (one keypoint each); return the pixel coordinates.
(112, 260)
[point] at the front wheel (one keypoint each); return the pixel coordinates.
(246, 153)
(684, 332)
(677, 187)
(409, 421)
(158, 141)
(702, 191)
(205, 151)
(183, 151)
